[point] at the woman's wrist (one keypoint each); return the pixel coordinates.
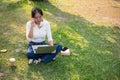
(51, 43)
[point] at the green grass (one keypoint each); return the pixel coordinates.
(95, 50)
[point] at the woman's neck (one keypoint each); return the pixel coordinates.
(38, 25)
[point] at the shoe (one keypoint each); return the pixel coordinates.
(64, 48)
(55, 58)
(65, 52)
(37, 61)
(30, 61)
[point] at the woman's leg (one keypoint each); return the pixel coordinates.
(49, 57)
(30, 54)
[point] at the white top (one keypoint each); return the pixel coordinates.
(39, 34)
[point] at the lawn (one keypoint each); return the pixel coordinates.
(95, 47)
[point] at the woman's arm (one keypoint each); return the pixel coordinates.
(30, 34)
(49, 35)
(51, 43)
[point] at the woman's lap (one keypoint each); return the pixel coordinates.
(45, 57)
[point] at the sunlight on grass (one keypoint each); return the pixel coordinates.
(19, 29)
(108, 52)
(27, 8)
(75, 77)
(14, 39)
(112, 40)
(105, 52)
(74, 38)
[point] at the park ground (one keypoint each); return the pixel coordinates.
(90, 28)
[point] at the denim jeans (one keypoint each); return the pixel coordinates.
(45, 57)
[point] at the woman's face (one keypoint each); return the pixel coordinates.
(38, 18)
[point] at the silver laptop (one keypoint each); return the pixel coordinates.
(43, 49)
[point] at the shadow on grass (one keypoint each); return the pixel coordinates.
(10, 5)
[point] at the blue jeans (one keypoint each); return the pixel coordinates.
(45, 57)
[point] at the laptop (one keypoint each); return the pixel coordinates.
(43, 49)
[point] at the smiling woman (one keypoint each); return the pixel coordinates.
(36, 31)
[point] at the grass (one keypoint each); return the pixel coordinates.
(95, 53)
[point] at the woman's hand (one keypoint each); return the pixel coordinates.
(30, 35)
(32, 22)
(51, 43)
(53, 52)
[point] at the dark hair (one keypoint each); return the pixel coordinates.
(36, 10)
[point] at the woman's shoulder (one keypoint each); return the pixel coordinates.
(45, 22)
(28, 22)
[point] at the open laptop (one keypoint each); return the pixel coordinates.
(43, 49)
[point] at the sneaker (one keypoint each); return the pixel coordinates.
(55, 58)
(37, 61)
(65, 52)
(30, 61)
(64, 48)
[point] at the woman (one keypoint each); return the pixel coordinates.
(36, 31)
